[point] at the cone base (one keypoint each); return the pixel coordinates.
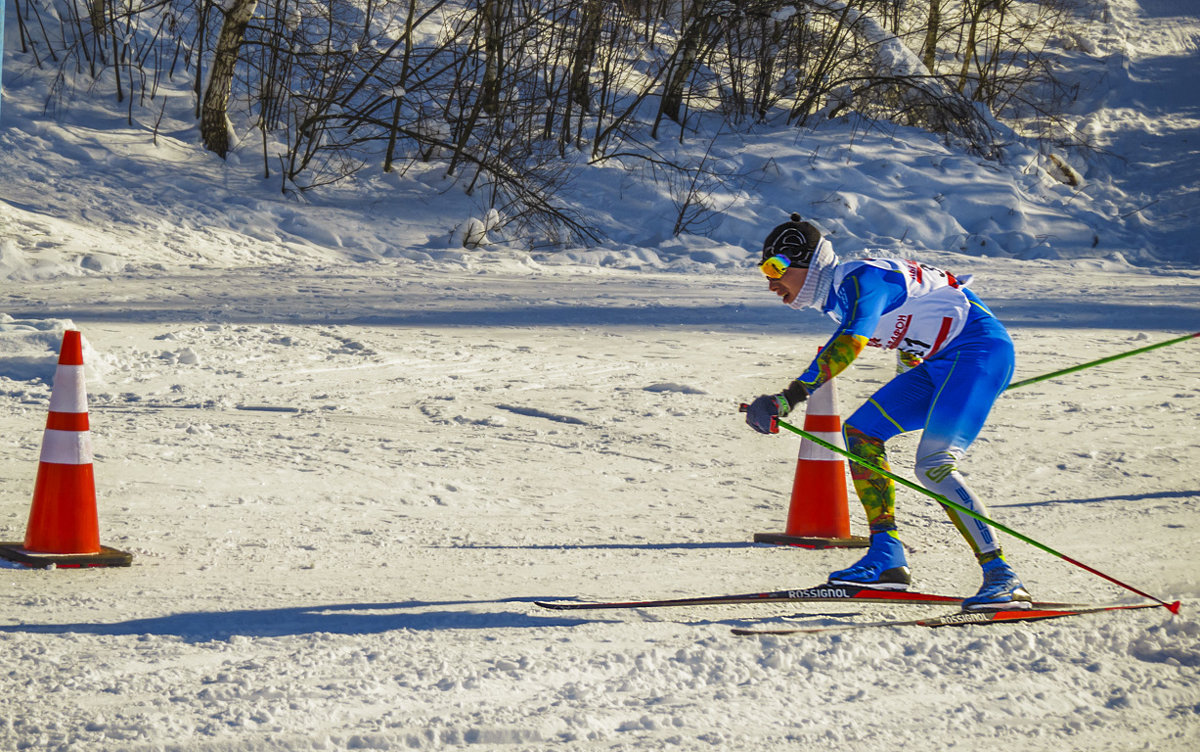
(783, 539)
(108, 557)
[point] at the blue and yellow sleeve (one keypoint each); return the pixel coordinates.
(863, 297)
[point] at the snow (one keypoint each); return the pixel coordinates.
(348, 453)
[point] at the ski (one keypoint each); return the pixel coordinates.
(958, 619)
(819, 593)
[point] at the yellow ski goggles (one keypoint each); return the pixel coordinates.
(774, 267)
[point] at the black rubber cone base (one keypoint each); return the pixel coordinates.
(108, 557)
(782, 539)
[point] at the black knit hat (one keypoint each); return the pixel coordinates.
(797, 240)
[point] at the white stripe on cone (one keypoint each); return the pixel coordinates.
(66, 447)
(823, 404)
(810, 450)
(69, 395)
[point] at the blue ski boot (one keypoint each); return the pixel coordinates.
(884, 567)
(1001, 590)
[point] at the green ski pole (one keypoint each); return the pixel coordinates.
(1102, 361)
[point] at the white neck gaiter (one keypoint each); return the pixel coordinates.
(819, 279)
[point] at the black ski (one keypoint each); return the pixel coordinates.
(819, 593)
(959, 619)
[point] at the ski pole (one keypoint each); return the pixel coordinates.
(1172, 607)
(1102, 361)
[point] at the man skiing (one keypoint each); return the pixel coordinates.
(956, 359)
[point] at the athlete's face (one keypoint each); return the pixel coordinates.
(788, 286)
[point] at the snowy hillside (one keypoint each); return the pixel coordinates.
(347, 454)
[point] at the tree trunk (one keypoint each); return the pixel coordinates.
(214, 114)
(694, 37)
(96, 16)
(493, 46)
(585, 52)
(969, 53)
(932, 32)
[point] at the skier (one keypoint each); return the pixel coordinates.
(955, 360)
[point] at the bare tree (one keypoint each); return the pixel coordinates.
(583, 57)
(696, 39)
(214, 115)
(932, 34)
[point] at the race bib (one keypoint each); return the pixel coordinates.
(933, 313)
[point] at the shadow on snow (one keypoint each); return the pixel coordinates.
(613, 546)
(342, 619)
(1121, 497)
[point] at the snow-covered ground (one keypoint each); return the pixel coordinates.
(347, 454)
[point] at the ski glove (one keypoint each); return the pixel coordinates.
(762, 412)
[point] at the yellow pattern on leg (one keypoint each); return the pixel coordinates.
(876, 492)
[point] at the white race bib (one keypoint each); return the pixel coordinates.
(933, 313)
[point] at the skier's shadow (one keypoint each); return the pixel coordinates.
(344, 619)
(608, 546)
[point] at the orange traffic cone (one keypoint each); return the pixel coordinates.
(819, 514)
(63, 530)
